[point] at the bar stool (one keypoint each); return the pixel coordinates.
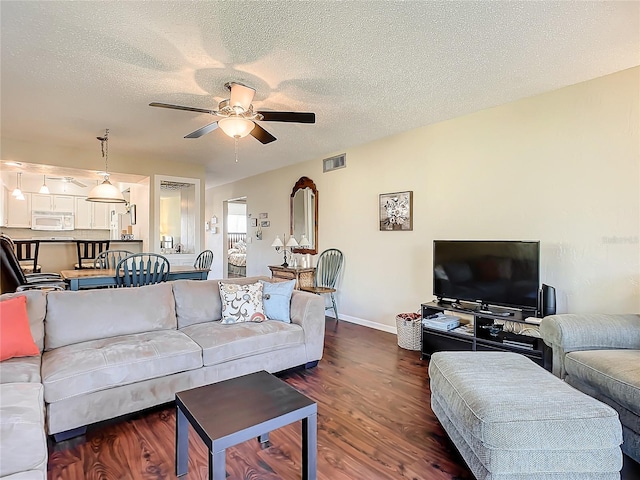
(88, 250)
(27, 253)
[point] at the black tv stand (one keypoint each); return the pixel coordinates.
(487, 333)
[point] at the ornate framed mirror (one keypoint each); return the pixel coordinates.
(304, 216)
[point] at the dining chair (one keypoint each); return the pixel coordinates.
(327, 271)
(204, 260)
(141, 269)
(88, 250)
(27, 253)
(13, 279)
(110, 258)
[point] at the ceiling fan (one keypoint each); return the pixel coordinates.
(238, 116)
(68, 180)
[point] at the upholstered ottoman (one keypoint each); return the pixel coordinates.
(511, 419)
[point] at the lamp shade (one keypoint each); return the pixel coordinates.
(236, 127)
(241, 96)
(277, 242)
(105, 193)
(292, 242)
(304, 241)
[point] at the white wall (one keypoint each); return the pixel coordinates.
(562, 168)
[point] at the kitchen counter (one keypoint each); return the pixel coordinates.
(60, 253)
(72, 240)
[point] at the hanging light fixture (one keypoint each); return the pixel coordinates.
(44, 189)
(105, 192)
(17, 192)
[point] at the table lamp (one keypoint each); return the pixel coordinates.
(277, 244)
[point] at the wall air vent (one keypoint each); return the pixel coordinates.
(334, 163)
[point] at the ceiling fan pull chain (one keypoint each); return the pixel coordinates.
(236, 141)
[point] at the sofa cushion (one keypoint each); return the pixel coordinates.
(101, 364)
(15, 334)
(242, 303)
(198, 301)
(22, 369)
(276, 298)
(613, 373)
(81, 316)
(224, 343)
(24, 444)
(36, 310)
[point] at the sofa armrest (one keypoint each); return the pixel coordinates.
(573, 332)
(307, 310)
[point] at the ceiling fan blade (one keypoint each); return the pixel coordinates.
(241, 95)
(262, 135)
(76, 182)
(298, 117)
(181, 107)
(203, 131)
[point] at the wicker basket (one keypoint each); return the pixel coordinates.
(409, 330)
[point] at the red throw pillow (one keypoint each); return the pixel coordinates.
(15, 335)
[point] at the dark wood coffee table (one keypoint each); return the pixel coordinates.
(234, 411)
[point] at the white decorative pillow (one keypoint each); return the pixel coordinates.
(241, 303)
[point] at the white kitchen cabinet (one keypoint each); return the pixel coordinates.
(19, 211)
(91, 215)
(101, 215)
(41, 202)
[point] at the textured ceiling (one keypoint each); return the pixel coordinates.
(367, 69)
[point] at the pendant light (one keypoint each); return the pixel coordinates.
(44, 189)
(105, 192)
(17, 192)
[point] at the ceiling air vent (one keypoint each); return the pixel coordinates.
(334, 163)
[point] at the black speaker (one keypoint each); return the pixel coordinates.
(548, 300)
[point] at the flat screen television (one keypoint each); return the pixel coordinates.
(502, 273)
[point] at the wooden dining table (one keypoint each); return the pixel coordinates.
(104, 277)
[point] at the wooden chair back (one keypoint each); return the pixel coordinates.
(328, 268)
(88, 250)
(204, 260)
(110, 258)
(27, 253)
(141, 269)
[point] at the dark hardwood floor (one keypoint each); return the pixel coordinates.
(374, 423)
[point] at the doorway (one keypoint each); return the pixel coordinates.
(236, 240)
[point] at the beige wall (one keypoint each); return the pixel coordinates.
(144, 164)
(562, 168)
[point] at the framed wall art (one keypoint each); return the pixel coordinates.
(396, 211)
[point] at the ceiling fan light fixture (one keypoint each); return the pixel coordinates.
(236, 127)
(241, 96)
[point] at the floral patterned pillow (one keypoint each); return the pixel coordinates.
(241, 303)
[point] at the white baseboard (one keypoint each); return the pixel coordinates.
(368, 323)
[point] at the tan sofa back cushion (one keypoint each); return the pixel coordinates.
(198, 301)
(36, 309)
(74, 317)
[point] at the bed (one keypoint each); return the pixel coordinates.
(237, 254)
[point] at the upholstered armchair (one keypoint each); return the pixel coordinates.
(599, 355)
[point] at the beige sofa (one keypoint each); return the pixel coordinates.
(111, 352)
